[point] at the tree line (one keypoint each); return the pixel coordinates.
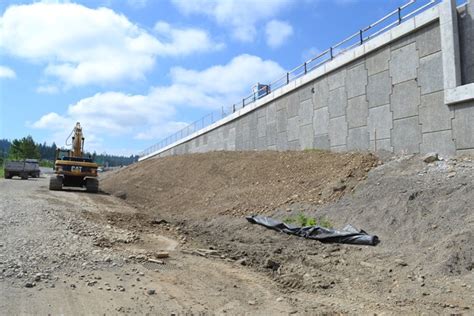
(27, 148)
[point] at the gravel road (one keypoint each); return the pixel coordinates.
(66, 253)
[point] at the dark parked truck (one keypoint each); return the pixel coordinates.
(22, 168)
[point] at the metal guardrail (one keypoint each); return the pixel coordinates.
(387, 22)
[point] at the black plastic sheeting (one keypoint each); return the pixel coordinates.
(348, 235)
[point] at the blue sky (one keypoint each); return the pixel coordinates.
(133, 71)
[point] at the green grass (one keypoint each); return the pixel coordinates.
(303, 220)
(46, 163)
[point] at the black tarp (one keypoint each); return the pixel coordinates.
(347, 235)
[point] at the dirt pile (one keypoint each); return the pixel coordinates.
(421, 212)
(238, 183)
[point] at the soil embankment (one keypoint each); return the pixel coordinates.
(422, 213)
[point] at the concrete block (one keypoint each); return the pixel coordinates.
(245, 133)
(338, 148)
(379, 89)
(430, 76)
(440, 142)
(292, 105)
(403, 41)
(337, 102)
(271, 133)
(378, 61)
(294, 145)
(306, 136)
(337, 79)
(358, 138)
(380, 122)
(377, 42)
(305, 92)
(404, 63)
(466, 43)
(337, 131)
(463, 126)
(231, 139)
(305, 113)
(381, 145)
(253, 140)
(293, 129)
(253, 120)
(282, 141)
(262, 126)
(321, 93)
(321, 121)
(271, 113)
(281, 121)
(428, 40)
(261, 111)
(357, 111)
(321, 141)
(356, 81)
(434, 114)
(406, 135)
(405, 99)
(261, 143)
(280, 103)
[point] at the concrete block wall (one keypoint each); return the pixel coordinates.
(390, 99)
(466, 42)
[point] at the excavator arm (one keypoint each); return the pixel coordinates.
(77, 141)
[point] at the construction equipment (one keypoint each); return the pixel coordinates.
(72, 169)
(22, 168)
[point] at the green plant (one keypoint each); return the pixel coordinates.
(46, 163)
(303, 220)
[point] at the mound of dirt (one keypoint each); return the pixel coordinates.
(422, 213)
(238, 183)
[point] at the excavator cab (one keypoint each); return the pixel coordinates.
(72, 169)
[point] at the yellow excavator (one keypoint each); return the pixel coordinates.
(71, 168)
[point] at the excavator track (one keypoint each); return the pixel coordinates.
(55, 183)
(92, 185)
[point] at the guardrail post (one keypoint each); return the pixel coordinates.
(243, 102)
(361, 37)
(399, 15)
(305, 70)
(331, 53)
(287, 78)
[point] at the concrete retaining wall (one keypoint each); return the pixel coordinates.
(466, 42)
(392, 98)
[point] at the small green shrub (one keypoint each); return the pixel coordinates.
(303, 220)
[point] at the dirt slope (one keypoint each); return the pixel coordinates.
(422, 213)
(238, 183)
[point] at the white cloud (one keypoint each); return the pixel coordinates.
(184, 41)
(48, 89)
(6, 72)
(277, 32)
(81, 46)
(151, 115)
(241, 16)
(310, 53)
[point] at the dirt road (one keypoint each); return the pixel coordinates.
(61, 253)
(71, 252)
